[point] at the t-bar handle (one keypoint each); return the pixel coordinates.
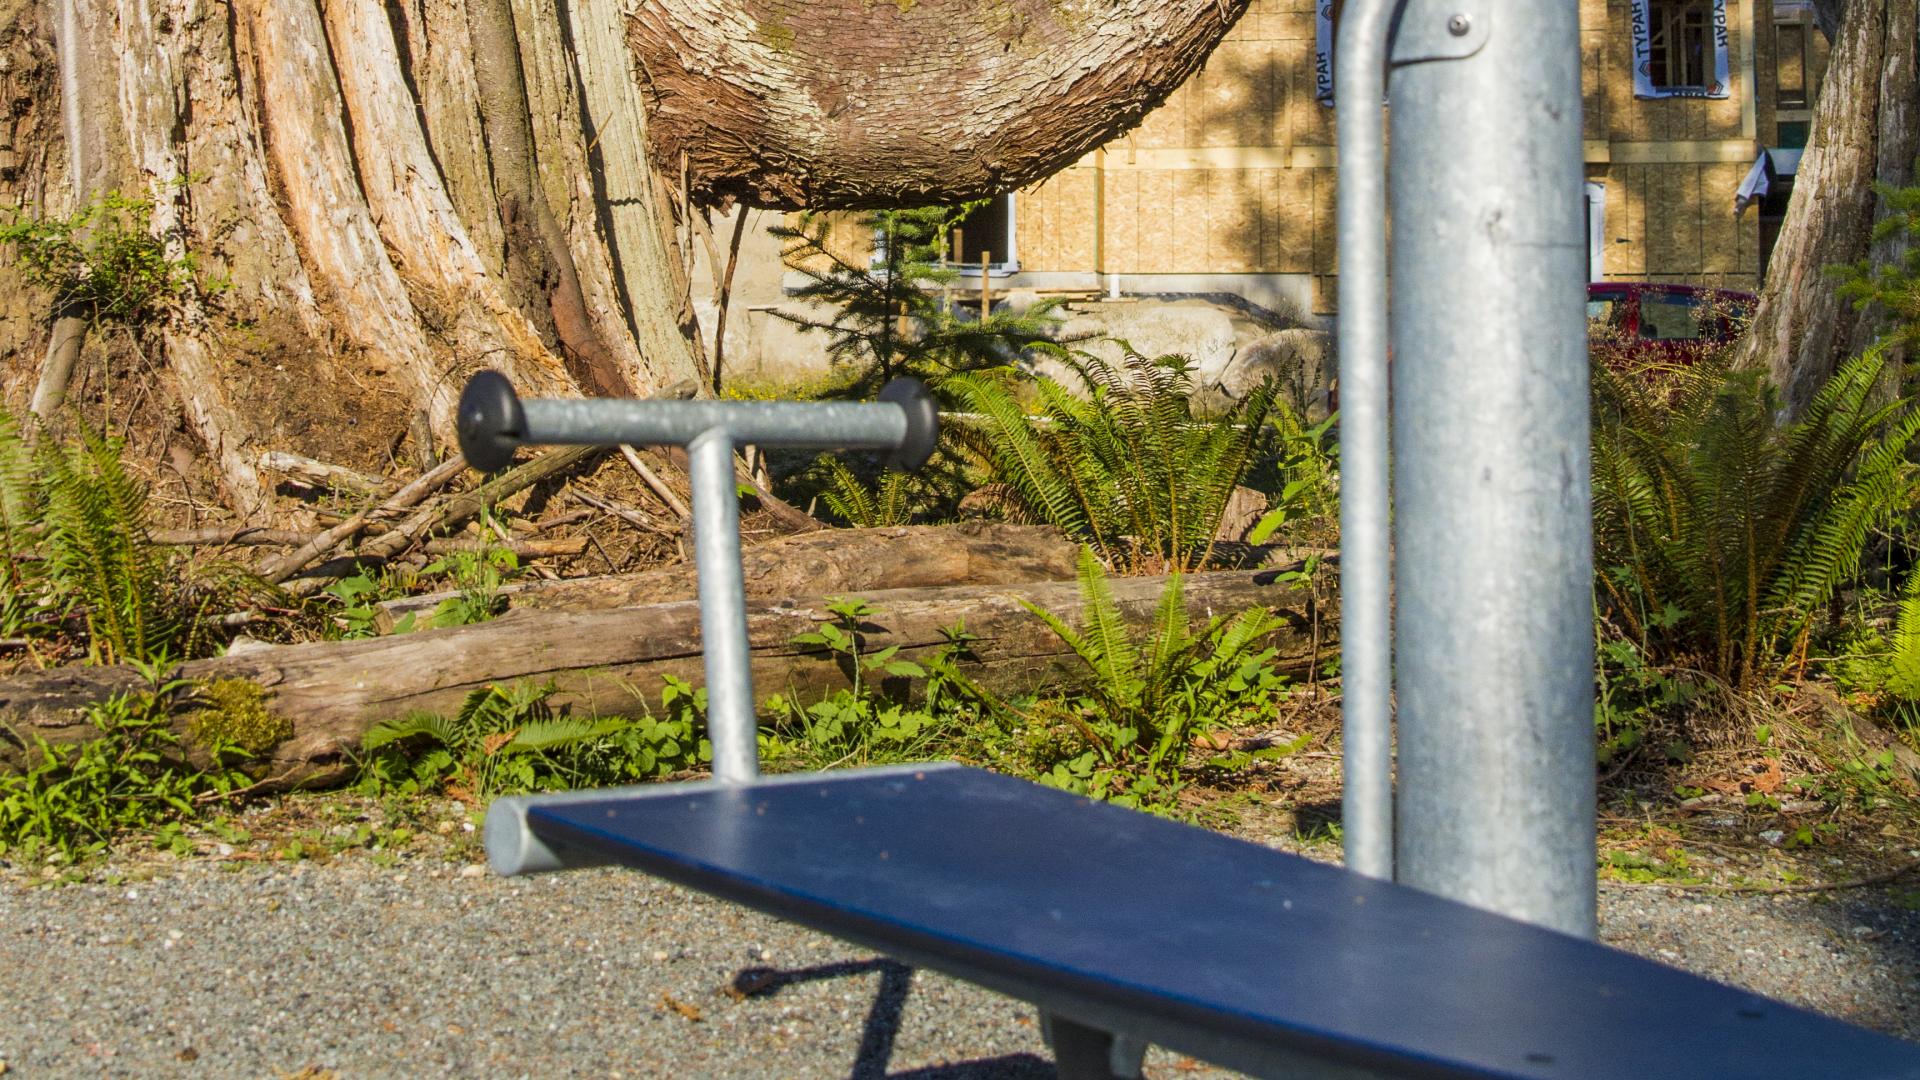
(493, 422)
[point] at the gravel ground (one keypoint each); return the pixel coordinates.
(276, 970)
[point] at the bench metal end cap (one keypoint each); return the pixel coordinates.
(923, 422)
(490, 422)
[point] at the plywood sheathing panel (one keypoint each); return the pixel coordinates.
(1155, 248)
(1122, 221)
(1626, 220)
(1325, 247)
(1674, 223)
(1728, 246)
(1234, 211)
(1189, 223)
(1074, 219)
(1286, 221)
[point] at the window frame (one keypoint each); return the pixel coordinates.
(1715, 69)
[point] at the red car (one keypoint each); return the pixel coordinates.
(1635, 324)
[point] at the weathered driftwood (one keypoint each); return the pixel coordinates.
(610, 661)
(816, 564)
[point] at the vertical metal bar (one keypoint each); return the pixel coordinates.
(723, 608)
(1492, 527)
(1366, 633)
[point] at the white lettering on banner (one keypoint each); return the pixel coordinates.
(1720, 81)
(1323, 44)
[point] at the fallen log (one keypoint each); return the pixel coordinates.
(819, 563)
(614, 662)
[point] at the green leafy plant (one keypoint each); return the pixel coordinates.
(74, 545)
(508, 740)
(888, 315)
(1891, 284)
(1125, 464)
(1144, 703)
(102, 262)
(1632, 696)
(31, 604)
(889, 500)
(1744, 530)
(98, 545)
(352, 604)
(76, 798)
(477, 577)
(857, 724)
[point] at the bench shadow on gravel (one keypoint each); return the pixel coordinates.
(1885, 919)
(882, 1025)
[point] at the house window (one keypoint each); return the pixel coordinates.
(1680, 48)
(988, 231)
(1792, 70)
(1678, 43)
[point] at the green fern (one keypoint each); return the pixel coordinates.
(1143, 702)
(29, 606)
(96, 521)
(509, 739)
(889, 500)
(1123, 464)
(1718, 535)
(1903, 658)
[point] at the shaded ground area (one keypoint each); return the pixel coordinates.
(430, 968)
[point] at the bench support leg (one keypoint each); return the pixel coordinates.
(1088, 1053)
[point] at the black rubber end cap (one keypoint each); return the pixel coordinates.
(923, 423)
(490, 423)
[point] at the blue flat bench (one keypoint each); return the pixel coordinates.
(1112, 921)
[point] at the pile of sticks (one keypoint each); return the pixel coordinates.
(399, 519)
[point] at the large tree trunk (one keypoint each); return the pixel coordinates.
(332, 692)
(851, 103)
(399, 193)
(1866, 128)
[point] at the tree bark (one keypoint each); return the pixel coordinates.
(793, 104)
(610, 662)
(394, 195)
(1866, 128)
(327, 160)
(820, 563)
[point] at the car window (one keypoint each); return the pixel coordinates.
(1670, 317)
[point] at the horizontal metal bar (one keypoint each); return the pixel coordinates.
(815, 424)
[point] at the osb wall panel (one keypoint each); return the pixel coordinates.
(847, 238)
(1286, 220)
(1626, 220)
(1234, 212)
(1054, 223)
(1671, 119)
(1723, 239)
(1677, 223)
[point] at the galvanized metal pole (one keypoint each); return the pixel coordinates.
(1366, 581)
(723, 608)
(1492, 525)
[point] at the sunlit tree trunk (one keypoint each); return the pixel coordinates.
(385, 196)
(1866, 128)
